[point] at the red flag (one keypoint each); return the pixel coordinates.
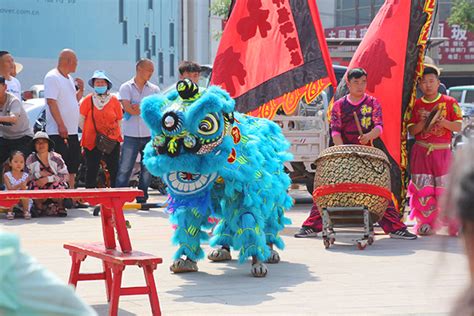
(386, 53)
(392, 53)
(272, 54)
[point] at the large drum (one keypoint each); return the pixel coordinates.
(353, 176)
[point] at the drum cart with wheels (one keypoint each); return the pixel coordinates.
(356, 218)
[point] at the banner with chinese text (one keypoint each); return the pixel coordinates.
(272, 54)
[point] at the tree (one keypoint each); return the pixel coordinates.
(220, 8)
(462, 14)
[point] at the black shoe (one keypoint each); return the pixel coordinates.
(141, 200)
(403, 234)
(96, 211)
(306, 232)
(35, 212)
(67, 203)
(17, 211)
(82, 205)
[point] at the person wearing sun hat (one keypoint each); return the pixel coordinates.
(7, 67)
(17, 69)
(442, 87)
(47, 170)
(433, 119)
(41, 135)
(100, 112)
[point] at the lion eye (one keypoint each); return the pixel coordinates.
(171, 122)
(209, 125)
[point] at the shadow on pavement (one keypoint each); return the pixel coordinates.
(386, 246)
(103, 309)
(155, 212)
(236, 286)
(50, 220)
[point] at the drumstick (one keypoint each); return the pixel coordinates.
(359, 128)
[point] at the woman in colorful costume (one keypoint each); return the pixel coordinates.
(434, 117)
(345, 131)
(218, 164)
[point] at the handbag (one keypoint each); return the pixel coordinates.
(103, 143)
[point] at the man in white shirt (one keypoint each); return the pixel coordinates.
(136, 133)
(7, 67)
(62, 94)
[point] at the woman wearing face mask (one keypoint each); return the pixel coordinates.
(101, 113)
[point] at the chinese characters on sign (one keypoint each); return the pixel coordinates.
(459, 48)
(351, 32)
(346, 32)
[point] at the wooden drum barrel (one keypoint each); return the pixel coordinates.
(353, 176)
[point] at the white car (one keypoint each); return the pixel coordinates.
(465, 97)
(35, 92)
(36, 111)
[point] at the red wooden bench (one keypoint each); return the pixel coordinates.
(114, 259)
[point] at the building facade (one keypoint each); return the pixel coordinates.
(356, 12)
(351, 18)
(110, 35)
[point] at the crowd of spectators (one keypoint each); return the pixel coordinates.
(50, 159)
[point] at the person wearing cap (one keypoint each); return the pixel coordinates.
(100, 112)
(433, 119)
(15, 131)
(47, 170)
(136, 133)
(7, 67)
(62, 94)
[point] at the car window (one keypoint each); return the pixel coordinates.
(205, 77)
(457, 94)
(469, 98)
(339, 74)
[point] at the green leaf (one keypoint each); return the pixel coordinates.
(462, 14)
(220, 8)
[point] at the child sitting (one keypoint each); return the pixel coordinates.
(17, 179)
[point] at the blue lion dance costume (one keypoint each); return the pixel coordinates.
(217, 163)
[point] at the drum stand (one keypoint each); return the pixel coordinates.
(347, 217)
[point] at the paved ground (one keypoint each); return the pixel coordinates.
(392, 277)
